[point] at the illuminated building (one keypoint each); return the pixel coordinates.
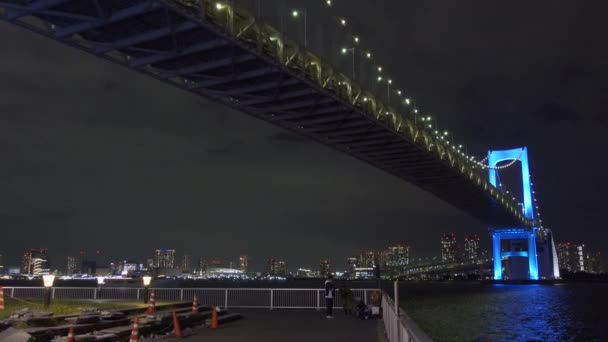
(35, 261)
(202, 265)
(244, 263)
(216, 262)
(367, 259)
(164, 258)
(449, 247)
(396, 256)
(186, 263)
(594, 263)
(72, 265)
(571, 257)
(471, 247)
(352, 265)
(324, 267)
(277, 267)
(304, 273)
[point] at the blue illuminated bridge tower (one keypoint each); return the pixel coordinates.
(517, 250)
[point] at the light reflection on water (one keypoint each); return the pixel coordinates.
(453, 311)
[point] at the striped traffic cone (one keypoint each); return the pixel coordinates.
(70, 337)
(177, 330)
(152, 303)
(1, 299)
(214, 322)
(195, 305)
(135, 331)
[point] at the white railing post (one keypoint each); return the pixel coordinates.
(12, 292)
(181, 295)
(137, 294)
(226, 298)
(271, 298)
(396, 299)
(365, 296)
(95, 293)
(52, 292)
(319, 300)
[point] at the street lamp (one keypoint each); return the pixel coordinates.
(147, 280)
(296, 14)
(48, 280)
(352, 51)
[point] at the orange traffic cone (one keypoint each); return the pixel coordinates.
(135, 331)
(195, 305)
(177, 330)
(214, 322)
(1, 299)
(151, 303)
(70, 337)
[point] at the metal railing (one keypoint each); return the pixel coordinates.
(399, 327)
(275, 298)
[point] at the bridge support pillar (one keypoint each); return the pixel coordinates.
(526, 238)
(497, 256)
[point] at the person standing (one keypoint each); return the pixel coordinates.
(330, 294)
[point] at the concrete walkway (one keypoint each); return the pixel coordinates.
(291, 326)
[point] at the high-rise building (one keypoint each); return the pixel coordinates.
(35, 261)
(367, 259)
(164, 258)
(277, 267)
(594, 263)
(244, 263)
(471, 247)
(396, 256)
(571, 257)
(72, 266)
(202, 265)
(352, 265)
(449, 247)
(324, 267)
(186, 263)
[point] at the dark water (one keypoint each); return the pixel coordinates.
(453, 311)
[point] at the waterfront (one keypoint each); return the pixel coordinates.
(452, 311)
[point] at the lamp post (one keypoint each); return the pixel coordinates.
(295, 13)
(100, 281)
(352, 51)
(48, 280)
(147, 280)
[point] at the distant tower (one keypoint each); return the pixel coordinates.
(244, 263)
(71, 265)
(471, 247)
(164, 258)
(324, 267)
(186, 263)
(449, 247)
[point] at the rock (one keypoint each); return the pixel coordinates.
(83, 319)
(15, 335)
(42, 314)
(23, 311)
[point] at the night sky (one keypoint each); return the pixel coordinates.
(97, 157)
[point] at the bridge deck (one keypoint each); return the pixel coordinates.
(224, 55)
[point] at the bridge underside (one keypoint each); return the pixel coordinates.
(170, 43)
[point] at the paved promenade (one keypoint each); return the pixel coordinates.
(293, 326)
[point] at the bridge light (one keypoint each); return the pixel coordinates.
(344, 51)
(379, 69)
(407, 101)
(415, 111)
(365, 99)
(328, 2)
(343, 22)
(445, 132)
(356, 39)
(390, 81)
(368, 55)
(436, 132)
(428, 118)
(295, 13)
(430, 125)
(219, 6)
(379, 78)
(459, 146)
(398, 92)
